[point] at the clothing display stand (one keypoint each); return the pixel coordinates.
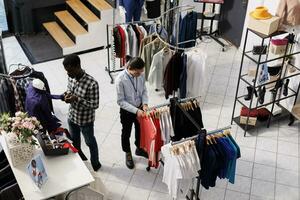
(111, 56)
(253, 83)
(210, 33)
(194, 194)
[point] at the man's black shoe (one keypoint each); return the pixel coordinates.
(141, 152)
(97, 167)
(129, 160)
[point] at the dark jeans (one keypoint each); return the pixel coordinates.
(90, 140)
(127, 119)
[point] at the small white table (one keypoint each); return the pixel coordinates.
(65, 173)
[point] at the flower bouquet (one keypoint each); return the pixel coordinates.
(18, 132)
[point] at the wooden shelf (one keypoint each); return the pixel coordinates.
(58, 34)
(82, 11)
(70, 23)
(100, 4)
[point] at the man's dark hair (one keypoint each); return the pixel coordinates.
(72, 60)
(136, 63)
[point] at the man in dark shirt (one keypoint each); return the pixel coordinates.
(83, 96)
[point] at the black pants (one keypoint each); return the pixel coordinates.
(127, 119)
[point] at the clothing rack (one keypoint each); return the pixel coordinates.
(208, 133)
(168, 102)
(210, 33)
(193, 193)
(111, 57)
(5, 75)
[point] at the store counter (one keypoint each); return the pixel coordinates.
(65, 173)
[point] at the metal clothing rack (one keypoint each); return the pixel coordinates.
(210, 33)
(111, 57)
(193, 193)
(168, 102)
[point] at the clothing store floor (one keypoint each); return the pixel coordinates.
(267, 169)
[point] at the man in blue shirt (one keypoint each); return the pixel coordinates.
(132, 97)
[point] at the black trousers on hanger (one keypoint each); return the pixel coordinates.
(127, 120)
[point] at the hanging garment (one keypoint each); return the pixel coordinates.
(37, 105)
(147, 139)
(188, 158)
(196, 73)
(166, 126)
(7, 97)
(158, 67)
(172, 74)
(127, 45)
(160, 30)
(183, 127)
(148, 52)
(172, 172)
(133, 43)
(181, 165)
(117, 42)
(158, 141)
(144, 31)
(18, 102)
(133, 9)
(123, 45)
(141, 34)
(188, 30)
(23, 82)
(153, 8)
(137, 34)
(289, 12)
(146, 41)
(183, 76)
(219, 160)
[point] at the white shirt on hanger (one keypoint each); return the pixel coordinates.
(172, 170)
(158, 66)
(196, 73)
(134, 49)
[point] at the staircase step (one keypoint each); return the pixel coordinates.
(70, 25)
(100, 4)
(82, 11)
(58, 34)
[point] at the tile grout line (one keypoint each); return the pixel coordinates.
(224, 198)
(252, 173)
(153, 184)
(276, 167)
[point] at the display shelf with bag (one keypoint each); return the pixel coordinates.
(267, 83)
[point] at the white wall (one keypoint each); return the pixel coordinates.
(252, 4)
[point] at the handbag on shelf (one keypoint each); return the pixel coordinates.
(274, 71)
(259, 50)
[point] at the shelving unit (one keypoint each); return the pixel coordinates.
(270, 99)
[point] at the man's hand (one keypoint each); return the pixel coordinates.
(140, 113)
(70, 98)
(145, 107)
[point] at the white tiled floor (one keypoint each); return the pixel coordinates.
(268, 168)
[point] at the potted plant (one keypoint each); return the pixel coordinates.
(18, 132)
